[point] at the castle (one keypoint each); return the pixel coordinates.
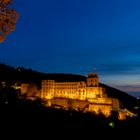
(86, 94)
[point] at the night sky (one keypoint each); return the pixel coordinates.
(75, 36)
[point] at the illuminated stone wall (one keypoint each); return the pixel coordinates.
(47, 90)
(74, 90)
(83, 94)
(70, 103)
(101, 108)
(93, 80)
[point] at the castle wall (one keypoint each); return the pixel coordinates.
(83, 95)
(72, 90)
(97, 108)
(71, 93)
(70, 103)
(82, 106)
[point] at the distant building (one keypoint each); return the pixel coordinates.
(84, 95)
(86, 91)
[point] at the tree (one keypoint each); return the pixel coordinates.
(8, 18)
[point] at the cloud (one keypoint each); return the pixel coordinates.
(129, 88)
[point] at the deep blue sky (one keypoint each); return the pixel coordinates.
(75, 36)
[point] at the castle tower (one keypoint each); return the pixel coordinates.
(92, 80)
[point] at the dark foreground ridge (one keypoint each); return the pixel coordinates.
(21, 116)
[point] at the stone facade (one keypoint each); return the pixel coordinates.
(86, 96)
(86, 91)
(81, 90)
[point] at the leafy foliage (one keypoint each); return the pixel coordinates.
(8, 18)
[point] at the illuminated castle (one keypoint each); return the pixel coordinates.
(85, 95)
(75, 90)
(88, 92)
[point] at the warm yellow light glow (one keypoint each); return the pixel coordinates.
(83, 95)
(86, 91)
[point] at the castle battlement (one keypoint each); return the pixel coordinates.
(85, 91)
(86, 95)
(82, 90)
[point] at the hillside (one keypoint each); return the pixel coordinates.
(127, 101)
(28, 75)
(20, 74)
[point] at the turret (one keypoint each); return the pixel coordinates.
(93, 80)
